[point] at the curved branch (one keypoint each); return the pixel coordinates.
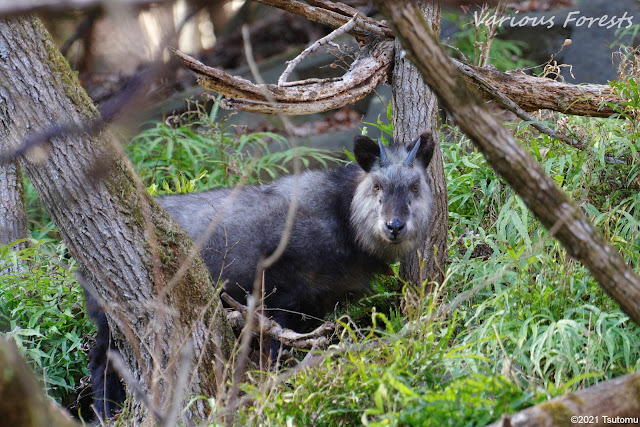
(371, 67)
(306, 97)
(282, 81)
(334, 15)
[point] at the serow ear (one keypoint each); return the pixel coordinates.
(425, 152)
(366, 151)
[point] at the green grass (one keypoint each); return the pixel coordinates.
(194, 152)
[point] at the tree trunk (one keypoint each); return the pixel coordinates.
(13, 217)
(415, 109)
(22, 398)
(128, 248)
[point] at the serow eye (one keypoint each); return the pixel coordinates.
(414, 188)
(376, 187)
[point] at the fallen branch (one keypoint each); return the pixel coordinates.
(334, 15)
(317, 95)
(615, 401)
(537, 93)
(507, 103)
(530, 93)
(316, 339)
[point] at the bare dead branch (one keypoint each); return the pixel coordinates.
(339, 7)
(540, 193)
(282, 81)
(23, 7)
(530, 93)
(537, 93)
(507, 103)
(314, 339)
(317, 95)
(367, 71)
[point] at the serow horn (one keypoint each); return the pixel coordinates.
(412, 155)
(383, 154)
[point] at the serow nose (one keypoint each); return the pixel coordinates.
(395, 226)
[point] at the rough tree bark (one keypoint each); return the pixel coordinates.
(128, 248)
(13, 217)
(415, 109)
(550, 204)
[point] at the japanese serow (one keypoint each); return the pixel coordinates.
(350, 223)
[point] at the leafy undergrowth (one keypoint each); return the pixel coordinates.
(197, 151)
(42, 312)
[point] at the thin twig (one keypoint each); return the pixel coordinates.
(182, 374)
(282, 81)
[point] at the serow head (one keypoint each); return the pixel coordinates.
(391, 209)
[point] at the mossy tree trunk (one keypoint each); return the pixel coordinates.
(13, 217)
(22, 398)
(415, 109)
(612, 402)
(127, 247)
